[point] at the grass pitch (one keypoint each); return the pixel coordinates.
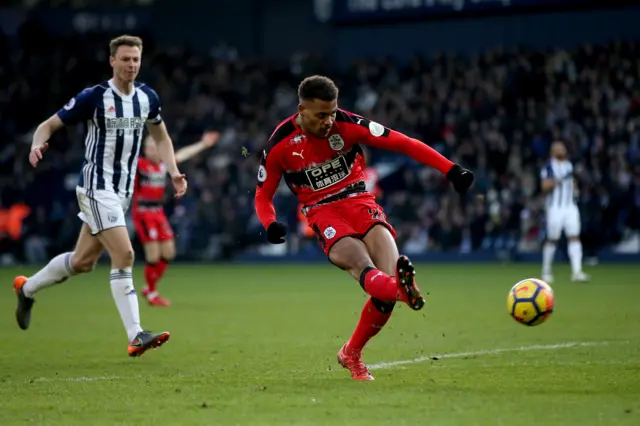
(256, 345)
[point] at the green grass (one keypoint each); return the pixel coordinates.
(256, 345)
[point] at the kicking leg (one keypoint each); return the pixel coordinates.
(351, 254)
(382, 248)
(116, 241)
(376, 312)
(83, 259)
(384, 251)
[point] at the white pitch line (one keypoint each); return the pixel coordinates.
(383, 365)
(77, 379)
(390, 364)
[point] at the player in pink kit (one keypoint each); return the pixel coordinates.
(152, 225)
(318, 153)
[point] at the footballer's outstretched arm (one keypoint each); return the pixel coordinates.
(208, 140)
(378, 136)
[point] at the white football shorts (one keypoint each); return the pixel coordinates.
(101, 209)
(565, 219)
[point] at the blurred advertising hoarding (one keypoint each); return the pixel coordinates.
(383, 11)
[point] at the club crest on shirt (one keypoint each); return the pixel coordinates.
(336, 143)
(329, 233)
(297, 139)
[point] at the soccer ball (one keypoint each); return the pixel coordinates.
(531, 301)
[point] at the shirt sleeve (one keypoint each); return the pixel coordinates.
(155, 106)
(546, 172)
(378, 136)
(79, 108)
(269, 176)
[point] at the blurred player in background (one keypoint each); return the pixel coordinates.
(562, 213)
(318, 153)
(115, 113)
(151, 223)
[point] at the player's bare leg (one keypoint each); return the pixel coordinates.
(81, 260)
(382, 249)
(153, 270)
(116, 241)
(548, 252)
(384, 252)
(352, 255)
(574, 248)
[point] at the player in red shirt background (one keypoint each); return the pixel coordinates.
(318, 153)
(151, 223)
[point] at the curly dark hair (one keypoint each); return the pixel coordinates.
(317, 87)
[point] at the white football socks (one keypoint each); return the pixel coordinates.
(56, 271)
(548, 251)
(575, 256)
(124, 294)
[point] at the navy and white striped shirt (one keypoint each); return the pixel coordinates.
(114, 126)
(562, 172)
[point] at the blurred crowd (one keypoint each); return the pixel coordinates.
(495, 112)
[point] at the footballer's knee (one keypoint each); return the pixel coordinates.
(351, 255)
(386, 307)
(82, 264)
(382, 248)
(574, 238)
(123, 259)
(356, 266)
(151, 252)
(168, 251)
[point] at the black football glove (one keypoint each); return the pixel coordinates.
(276, 232)
(460, 178)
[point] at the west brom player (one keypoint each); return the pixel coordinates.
(152, 225)
(562, 213)
(114, 112)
